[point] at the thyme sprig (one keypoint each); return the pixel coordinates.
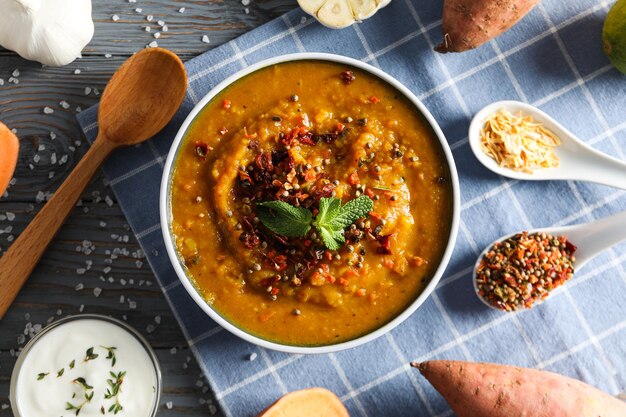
(89, 355)
(86, 394)
(111, 354)
(114, 390)
(70, 406)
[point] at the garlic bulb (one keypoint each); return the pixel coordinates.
(53, 32)
(339, 14)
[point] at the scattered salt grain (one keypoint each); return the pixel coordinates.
(169, 405)
(150, 328)
(173, 351)
(48, 110)
(53, 135)
(252, 356)
(16, 73)
(157, 319)
(97, 291)
(14, 80)
(161, 23)
(147, 28)
(76, 71)
(165, 28)
(64, 104)
(181, 10)
(108, 55)
(115, 18)
(303, 20)
(245, 2)
(199, 384)
(59, 312)
(157, 35)
(149, 18)
(212, 409)
(139, 264)
(122, 299)
(81, 271)
(1, 81)
(81, 308)
(79, 109)
(132, 305)
(40, 197)
(153, 44)
(108, 201)
(206, 39)
(10, 216)
(87, 91)
(138, 10)
(79, 286)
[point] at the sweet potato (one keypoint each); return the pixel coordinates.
(490, 390)
(9, 149)
(312, 402)
(467, 24)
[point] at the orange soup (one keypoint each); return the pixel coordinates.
(311, 203)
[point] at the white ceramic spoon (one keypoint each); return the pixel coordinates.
(590, 238)
(579, 161)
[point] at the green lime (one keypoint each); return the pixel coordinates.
(614, 35)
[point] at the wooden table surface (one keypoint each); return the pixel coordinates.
(95, 264)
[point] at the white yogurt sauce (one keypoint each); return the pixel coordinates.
(49, 395)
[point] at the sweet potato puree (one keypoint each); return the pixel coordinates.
(299, 132)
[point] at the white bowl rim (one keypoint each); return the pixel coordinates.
(165, 212)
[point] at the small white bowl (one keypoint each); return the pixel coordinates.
(165, 206)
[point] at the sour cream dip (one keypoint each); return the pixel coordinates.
(87, 365)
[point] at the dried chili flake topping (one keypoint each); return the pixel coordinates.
(226, 104)
(347, 77)
(202, 149)
(374, 99)
(523, 269)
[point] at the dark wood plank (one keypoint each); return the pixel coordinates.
(45, 160)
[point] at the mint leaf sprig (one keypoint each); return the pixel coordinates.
(287, 220)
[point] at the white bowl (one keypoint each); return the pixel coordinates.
(165, 206)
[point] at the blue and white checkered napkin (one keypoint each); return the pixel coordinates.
(553, 59)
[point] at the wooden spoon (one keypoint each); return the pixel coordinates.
(141, 98)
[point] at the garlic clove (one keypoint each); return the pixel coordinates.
(311, 6)
(53, 32)
(336, 14)
(362, 9)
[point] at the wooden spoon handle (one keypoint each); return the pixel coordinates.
(24, 254)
